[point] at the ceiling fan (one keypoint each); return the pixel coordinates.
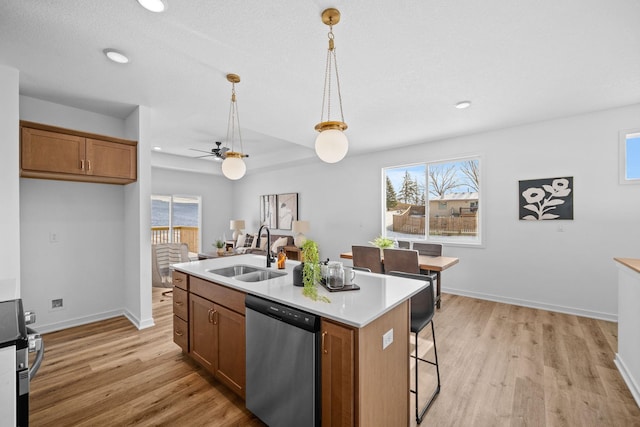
(218, 153)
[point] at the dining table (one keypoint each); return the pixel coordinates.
(436, 264)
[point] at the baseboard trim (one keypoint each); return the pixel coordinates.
(628, 378)
(147, 323)
(78, 321)
(534, 304)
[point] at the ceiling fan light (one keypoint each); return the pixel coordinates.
(233, 167)
(332, 145)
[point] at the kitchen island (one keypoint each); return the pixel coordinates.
(365, 335)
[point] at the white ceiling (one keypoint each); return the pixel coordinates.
(403, 66)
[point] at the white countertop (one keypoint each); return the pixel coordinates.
(377, 295)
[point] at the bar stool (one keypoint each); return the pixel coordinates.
(422, 311)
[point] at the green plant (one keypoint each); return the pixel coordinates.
(382, 242)
(311, 271)
(219, 244)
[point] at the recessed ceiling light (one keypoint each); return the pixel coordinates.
(157, 148)
(463, 104)
(116, 56)
(154, 5)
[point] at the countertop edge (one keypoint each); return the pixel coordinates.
(632, 263)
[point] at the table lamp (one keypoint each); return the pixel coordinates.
(300, 227)
(237, 225)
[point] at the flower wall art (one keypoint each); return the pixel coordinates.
(543, 199)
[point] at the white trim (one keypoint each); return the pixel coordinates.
(534, 304)
(628, 379)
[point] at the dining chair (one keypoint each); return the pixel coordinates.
(367, 257)
(404, 244)
(422, 312)
(405, 260)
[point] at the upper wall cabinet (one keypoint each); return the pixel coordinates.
(50, 152)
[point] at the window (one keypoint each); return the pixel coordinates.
(630, 157)
(176, 219)
(437, 201)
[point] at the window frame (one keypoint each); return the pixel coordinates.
(171, 198)
(624, 136)
(445, 240)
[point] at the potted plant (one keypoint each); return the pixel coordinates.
(382, 243)
(309, 269)
(220, 245)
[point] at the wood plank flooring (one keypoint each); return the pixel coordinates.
(500, 365)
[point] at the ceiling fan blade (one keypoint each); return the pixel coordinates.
(206, 155)
(202, 151)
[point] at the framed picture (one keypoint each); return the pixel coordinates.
(287, 210)
(268, 211)
(545, 199)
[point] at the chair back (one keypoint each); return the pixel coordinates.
(404, 244)
(401, 260)
(163, 255)
(430, 249)
(422, 303)
(367, 257)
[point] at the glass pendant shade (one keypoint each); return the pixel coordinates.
(233, 167)
(331, 145)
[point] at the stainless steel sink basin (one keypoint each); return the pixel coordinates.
(258, 276)
(247, 273)
(234, 270)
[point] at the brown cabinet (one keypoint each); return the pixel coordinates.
(338, 374)
(50, 152)
(293, 253)
(217, 332)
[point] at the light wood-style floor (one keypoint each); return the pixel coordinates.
(501, 365)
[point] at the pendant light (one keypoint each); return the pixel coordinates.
(233, 166)
(332, 144)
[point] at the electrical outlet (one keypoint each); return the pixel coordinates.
(54, 237)
(56, 303)
(387, 339)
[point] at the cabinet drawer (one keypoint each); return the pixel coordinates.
(179, 280)
(181, 333)
(180, 303)
(219, 294)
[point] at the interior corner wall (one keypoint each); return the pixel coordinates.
(10, 279)
(85, 267)
(217, 199)
(564, 266)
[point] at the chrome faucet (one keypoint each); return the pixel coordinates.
(268, 248)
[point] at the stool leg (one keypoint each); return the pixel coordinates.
(420, 414)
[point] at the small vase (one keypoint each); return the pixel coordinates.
(298, 275)
(220, 251)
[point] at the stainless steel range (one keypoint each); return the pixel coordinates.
(16, 341)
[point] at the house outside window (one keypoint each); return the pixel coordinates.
(176, 219)
(435, 201)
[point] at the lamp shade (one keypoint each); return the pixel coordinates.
(233, 167)
(300, 227)
(331, 145)
(236, 224)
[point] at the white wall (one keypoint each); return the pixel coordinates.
(521, 262)
(9, 185)
(217, 199)
(86, 267)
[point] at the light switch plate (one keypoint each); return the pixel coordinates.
(387, 339)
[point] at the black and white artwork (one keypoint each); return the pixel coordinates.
(544, 199)
(287, 210)
(268, 211)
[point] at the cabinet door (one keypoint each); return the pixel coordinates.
(230, 348)
(110, 159)
(45, 151)
(202, 331)
(338, 375)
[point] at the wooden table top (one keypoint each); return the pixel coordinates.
(435, 263)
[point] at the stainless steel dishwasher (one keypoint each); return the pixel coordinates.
(283, 381)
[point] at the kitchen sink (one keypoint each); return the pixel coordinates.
(247, 273)
(260, 275)
(234, 270)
